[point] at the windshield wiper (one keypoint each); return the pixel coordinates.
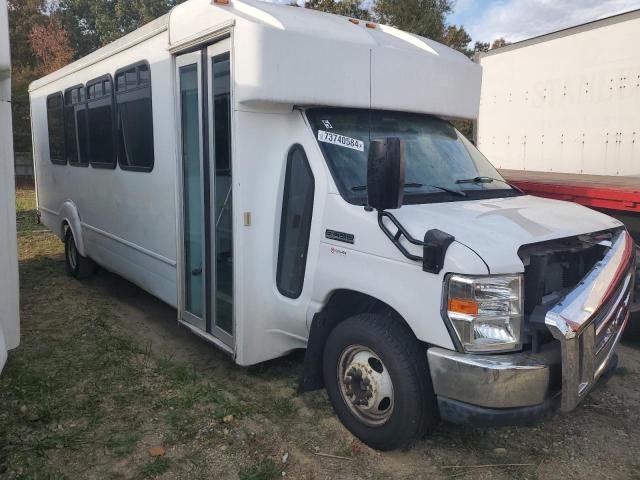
(418, 185)
(481, 180)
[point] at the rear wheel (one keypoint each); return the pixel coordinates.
(77, 265)
(378, 381)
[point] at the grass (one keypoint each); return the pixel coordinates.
(265, 470)
(155, 468)
(81, 396)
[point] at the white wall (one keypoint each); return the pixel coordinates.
(567, 104)
(9, 302)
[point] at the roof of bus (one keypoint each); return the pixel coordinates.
(296, 56)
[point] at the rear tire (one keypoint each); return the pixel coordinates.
(77, 266)
(362, 356)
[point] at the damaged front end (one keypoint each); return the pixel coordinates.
(577, 298)
(578, 291)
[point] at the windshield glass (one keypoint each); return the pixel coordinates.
(441, 164)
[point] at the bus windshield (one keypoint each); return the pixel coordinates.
(441, 164)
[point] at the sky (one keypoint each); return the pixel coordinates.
(513, 20)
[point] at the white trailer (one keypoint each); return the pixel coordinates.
(566, 102)
(284, 179)
(9, 293)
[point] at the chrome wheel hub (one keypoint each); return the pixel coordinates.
(365, 385)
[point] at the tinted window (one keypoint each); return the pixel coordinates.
(100, 112)
(55, 122)
(440, 164)
(75, 126)
(134, 117)
(297, 212)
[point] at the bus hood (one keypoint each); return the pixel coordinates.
(495, 229)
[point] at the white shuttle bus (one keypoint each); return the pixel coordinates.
(290, 179)
(9, 288)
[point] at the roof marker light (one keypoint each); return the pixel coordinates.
(221, 2)
(371, 25)
(354, 21)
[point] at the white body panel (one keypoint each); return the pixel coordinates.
(281, 58)
(126, 224)
(565, 102)
(9, 293)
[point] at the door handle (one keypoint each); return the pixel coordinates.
(196, 272)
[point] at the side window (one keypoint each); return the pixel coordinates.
(295, 226)
(100, 113)
(134, 118)
(55, 125)
(75, 126)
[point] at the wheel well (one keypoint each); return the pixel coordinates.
(342, 305)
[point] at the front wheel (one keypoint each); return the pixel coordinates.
(77, 265)
(378, 381)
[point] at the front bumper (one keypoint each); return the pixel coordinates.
(514, 388)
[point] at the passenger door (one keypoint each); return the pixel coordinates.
(206, 253)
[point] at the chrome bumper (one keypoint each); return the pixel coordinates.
(588, 324)
(590, 320)
(495, 381)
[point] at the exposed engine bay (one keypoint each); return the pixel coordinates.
(552, 269)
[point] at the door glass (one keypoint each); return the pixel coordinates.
(192, 190)
(222, 188)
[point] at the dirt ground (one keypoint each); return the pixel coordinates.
(104, 374)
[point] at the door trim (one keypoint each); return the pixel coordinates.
(223, 45)
(181, 61)
(206, 175)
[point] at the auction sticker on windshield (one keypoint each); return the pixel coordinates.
(340, 140)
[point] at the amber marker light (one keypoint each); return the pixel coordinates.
(465, 307)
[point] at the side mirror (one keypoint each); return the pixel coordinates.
(385, 173)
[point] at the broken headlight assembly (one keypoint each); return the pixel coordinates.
(485, 312)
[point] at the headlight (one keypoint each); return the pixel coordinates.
(485, 311)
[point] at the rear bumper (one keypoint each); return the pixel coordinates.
(524, 387)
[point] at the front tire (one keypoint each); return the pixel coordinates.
(378, 381)
(77, 266)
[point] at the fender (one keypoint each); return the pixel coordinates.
(69, 215)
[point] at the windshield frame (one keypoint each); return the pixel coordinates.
(410, 198)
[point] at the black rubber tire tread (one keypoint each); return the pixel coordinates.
(85, 266)
(415, 410)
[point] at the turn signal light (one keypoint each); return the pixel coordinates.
(466, 307)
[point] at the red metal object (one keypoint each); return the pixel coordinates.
(612, 193)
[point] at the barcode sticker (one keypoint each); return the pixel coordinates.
(340, 140)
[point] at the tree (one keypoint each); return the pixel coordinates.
(24, 15)
(346, 8)
(94, 23)
(426, 18)
(481, 47)
(500, 42)
(458, 38)
(50, 44)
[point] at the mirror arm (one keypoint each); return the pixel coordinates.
(434, 246)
